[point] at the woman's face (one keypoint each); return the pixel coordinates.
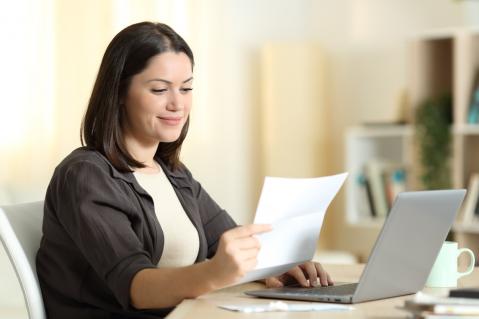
(158, 100)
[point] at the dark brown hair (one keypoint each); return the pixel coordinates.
(128, 54)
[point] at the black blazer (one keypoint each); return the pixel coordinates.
(100, 229)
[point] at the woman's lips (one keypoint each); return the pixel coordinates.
(173, 121)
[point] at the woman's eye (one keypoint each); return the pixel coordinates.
(186, 90)
(158, 91)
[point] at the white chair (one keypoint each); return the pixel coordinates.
(20, 233)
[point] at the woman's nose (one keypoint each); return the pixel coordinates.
(175, 102)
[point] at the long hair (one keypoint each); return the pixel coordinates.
(128, 54)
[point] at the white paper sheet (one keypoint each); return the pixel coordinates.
(276, 306)
(295, 207)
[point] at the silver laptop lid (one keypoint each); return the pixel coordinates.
(408, 244)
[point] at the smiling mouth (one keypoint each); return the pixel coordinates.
(170, 120)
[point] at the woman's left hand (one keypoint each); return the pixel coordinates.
(309, 274)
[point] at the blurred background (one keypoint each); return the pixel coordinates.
(278, 86)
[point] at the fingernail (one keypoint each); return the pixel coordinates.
(315, 283)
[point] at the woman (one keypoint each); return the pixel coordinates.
(126, 227)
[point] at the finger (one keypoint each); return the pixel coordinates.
(249, 230)
(323, 275)
(330, 281)
(248, 243)
(273, 282)
(298, 274)
(247, 254)
(312, 273)
(287, 279)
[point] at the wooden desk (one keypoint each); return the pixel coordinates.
(206, 306)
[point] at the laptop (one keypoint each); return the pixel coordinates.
(403, 254)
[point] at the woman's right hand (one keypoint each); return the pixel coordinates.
(236, 253)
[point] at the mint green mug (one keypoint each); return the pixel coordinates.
(444, 272)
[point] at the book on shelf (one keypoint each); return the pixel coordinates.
(365, 198)
(379, 184)
(394, 183)
(476, 211)
(473, 113)
(470, 208)
(387, 180)
(428, 306)
(374, 171)
(384, 124)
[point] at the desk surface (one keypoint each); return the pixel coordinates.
(206, 306)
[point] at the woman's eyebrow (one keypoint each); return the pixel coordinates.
(168, 82)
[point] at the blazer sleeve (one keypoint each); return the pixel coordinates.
(94, 210)
(215, 219)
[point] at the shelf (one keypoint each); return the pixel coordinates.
(444, 33)
(382, 131)
(440, 61)
(388, 146)
(408, 130)
(472, 228)
(372, 224)
(466, 129)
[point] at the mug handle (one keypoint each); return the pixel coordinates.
(471, 264)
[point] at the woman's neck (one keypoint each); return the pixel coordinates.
(142, 151)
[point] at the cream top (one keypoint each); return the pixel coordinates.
(181, 243)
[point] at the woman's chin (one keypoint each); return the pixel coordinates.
(169, 139)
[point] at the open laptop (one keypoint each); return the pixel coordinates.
(403, 254)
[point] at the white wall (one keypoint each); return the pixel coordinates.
(365, 44)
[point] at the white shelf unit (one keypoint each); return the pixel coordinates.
(448, 61)
(439, 62)
(365, 144)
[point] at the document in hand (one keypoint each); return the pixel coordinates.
(295, 207)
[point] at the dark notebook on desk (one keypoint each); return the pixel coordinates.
(402, 256)
(465, 293)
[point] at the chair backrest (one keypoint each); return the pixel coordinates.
(20, 233)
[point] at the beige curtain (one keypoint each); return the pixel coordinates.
(27, 121)
(51, 50)
(295, 111)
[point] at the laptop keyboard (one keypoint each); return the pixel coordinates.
(339, 290)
